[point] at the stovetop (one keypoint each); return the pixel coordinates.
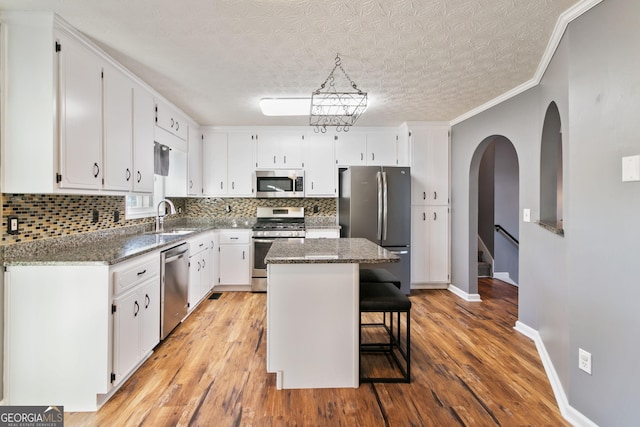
(279, 222)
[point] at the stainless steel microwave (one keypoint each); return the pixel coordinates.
(278, 183)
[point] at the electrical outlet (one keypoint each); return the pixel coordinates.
(116, 216)
(584, 360)
(96, 215)
(13, 225)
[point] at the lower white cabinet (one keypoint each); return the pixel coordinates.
(429, 245)
(199, 261)
(136, 312)
(235, 257)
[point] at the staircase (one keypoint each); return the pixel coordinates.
(484, 268)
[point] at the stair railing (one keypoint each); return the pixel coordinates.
(500, 229)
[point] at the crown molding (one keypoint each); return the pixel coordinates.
(558, 32)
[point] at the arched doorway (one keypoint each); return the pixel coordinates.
(494, 184)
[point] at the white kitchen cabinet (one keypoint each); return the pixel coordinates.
(279, 150)
(429, 245)
(136, 313)
(170, 120)
(143, 144)
(117, 129)
(194, 164)
(80, 120)
(429, 164)
(214, 171)
(235, 257)
(320, 165)
(176, 181)
(199, 269)
(228, 168)
(351, 149)
(381, 148)
(214, 259)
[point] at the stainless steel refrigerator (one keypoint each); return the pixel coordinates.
(374, 202)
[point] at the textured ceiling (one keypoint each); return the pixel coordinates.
(417, 59)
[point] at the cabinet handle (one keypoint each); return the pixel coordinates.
(424, 195)
(312, 185)
(190, 184)
(435, 195)
(285, 160)
(204, 264)
(274, 160)
(96, 169)
(139, 177)
(177, 126)
(128, 174)
(435, 216)
(198, 265)
(221, 185)
(373, 156)
(424, 216)
(147, 301)
(233, 185)
(242, 254)
(361, 156)
(172, 122)
(140, 273)
(233, 238)
(137, 308)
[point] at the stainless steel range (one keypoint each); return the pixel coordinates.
(272, 224)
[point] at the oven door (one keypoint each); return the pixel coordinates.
(261, 246)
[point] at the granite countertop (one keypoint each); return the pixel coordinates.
(107, 248)
(345, 250)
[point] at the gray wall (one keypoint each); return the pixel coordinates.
(580, 290)
(486, 197)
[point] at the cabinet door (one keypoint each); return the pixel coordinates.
(176, 181)
(241, 167)
(80, 104)
(126, 328)
(150, 321)
(118, 130)
(194, 183)
(320, 165)
(168, 119)
(351, 149)
(214, 166)
(195, 273)
(279, 150)
(438, 238)
(204, 273)
(235, 267)
(143, 119)
(438, 167)
(381, 149)
(418, 142)
(214, 260)
(419, 245)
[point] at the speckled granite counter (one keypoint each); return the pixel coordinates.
(345, 250)
(110, 247)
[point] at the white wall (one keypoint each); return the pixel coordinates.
(579, 290)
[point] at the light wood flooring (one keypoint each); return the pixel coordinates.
(469, 368)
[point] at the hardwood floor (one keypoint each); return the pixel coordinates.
(469, 368)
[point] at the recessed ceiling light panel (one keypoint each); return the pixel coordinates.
(285, 106)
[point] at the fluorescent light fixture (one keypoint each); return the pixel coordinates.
(285, 106)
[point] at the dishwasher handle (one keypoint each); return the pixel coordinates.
(176, 256)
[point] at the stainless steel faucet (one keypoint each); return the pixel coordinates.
(160, 218)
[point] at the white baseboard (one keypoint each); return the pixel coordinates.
(429, 285)
(569, 413)
(505, 277)
(462, 294)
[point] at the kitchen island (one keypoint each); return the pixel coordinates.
(313, 310)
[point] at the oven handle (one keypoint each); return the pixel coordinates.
(263, 240)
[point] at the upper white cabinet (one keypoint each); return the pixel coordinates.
(279, 150)
(229, 166)
(80, 115)
(143, 119)
(171, 121)
(429, 164)
(117, 129)
(90, 121)
(372, 148)
(320, 165)
(195, 141)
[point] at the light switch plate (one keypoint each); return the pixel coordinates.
(631, 168)
(526, 215)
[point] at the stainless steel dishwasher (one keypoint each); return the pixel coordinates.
(174, 281)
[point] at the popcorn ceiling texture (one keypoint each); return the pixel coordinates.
(50, 216)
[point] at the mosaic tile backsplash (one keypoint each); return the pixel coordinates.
(50, 216)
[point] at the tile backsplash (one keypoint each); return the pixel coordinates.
(44, 216)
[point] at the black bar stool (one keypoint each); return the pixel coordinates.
(386, 297)
(378, 275)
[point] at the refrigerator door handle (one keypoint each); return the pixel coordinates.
(380, 204)
(384, 206)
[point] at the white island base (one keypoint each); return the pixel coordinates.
(312, 325)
